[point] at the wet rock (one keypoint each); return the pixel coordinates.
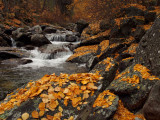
(6, 38)
(150, 16)
(148, 52)
(16, 62)
(3, 43)
(133, 86)
(23, 39)
(81, 59)
(17, 31)
(71, 38)
(52, 50)
(8, 31)
(36, 29)
(72, 47)
(151, 108)
(29, 47)
(81, 25)
(39, 40)
(71, 26)
(49, 30)
(8, 55)
(92, 62)
(107, 69)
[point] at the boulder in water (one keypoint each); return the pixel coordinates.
(49, 30)
(81, 25)
(23, 39)
(71, 38)
(36, 29)
(5, 40)
(16, 61)
(3, 43)
(52, 50)
(39, 40)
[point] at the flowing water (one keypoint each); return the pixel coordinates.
(14, 77)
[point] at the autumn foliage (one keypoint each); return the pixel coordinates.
(61, 11)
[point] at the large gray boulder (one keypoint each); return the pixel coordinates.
(151, 109)
(148, 52)
(39, 40)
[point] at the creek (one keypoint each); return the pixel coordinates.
(13, 77)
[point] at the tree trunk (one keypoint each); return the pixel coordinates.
(44, 5)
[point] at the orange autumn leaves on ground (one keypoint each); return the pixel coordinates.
(123, 114)
(82, 84)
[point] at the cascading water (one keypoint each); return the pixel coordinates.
(12, 77)
(13, 42)
(42, 59)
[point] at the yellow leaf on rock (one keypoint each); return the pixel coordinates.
(35, 114)
(66, 90)
(41, 113)
(19, 119)
(84, 82)
(53, 104)
(60, 109)
(44, 119)
(45, 100)
(25, 116)
(75, 101)
(71, 118)
(65, 102)
(42, 106)
(49, 117)
(91, 86)
(57, 89)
